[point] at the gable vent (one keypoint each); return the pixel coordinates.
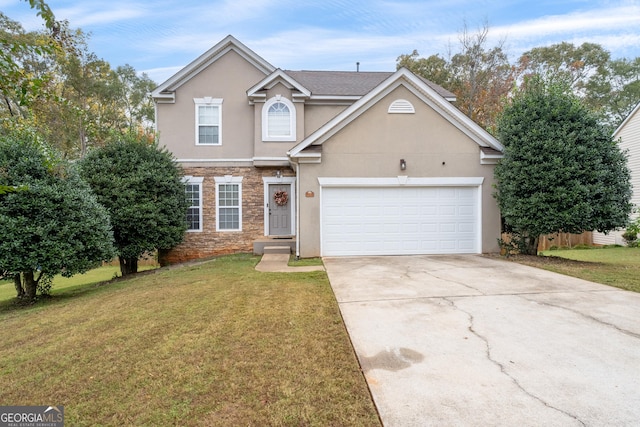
(401, 106)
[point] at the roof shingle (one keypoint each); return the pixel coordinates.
(348, 83)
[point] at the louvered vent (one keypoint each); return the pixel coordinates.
(401, 106)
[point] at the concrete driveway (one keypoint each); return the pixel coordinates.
(477, 341)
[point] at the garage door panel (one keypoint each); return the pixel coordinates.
(466, 210)
(399, 220)
(428, 228)
(466, 227)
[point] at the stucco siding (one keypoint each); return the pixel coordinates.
(318, 115)
(372, 146)
(176, 122)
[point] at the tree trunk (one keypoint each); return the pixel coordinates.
(17, 280)
(30, 284)
(532, 245)
(128, 265)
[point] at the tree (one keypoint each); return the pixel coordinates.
(623, 80)
(20, 85)
(141, 187)
(50, 81)
(609, 87)
(479, 76)
(51, 221)
(567, 64)
(134, 99)
(561, 171)
(26, 59)
(482, 77)
(434, 68)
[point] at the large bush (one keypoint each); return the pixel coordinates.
(51, 222)
(562, 171)
(141, 187)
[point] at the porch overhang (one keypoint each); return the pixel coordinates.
(311, 154)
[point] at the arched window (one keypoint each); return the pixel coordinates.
(278, 120)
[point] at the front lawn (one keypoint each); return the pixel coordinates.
(66, 285)
(210, 344)
(615, 266)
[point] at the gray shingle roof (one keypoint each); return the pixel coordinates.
(348, 83)
(343, 83)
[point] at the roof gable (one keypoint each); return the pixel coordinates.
(165, 91)
(278, 76)
(418, 87)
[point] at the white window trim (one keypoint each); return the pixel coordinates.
(265, 120)
(209, 101)
(228, 179)
(196, 180)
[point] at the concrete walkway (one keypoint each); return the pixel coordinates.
(278, 263)
(476, 341)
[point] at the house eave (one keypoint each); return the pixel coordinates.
(313, 154)
(164, 97)
(489, 160)
(490, 156)
(278, 76)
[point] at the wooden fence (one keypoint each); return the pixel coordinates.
(560, 239)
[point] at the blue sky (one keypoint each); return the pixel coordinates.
(159, 37)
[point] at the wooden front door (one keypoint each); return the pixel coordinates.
(279, 206)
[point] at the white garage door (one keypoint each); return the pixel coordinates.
(400, 220)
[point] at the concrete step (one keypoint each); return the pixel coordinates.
(277, 250)
(260, 244)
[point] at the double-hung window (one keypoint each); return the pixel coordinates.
(208, 121)
(193, 188)
(278, 120)
(228, 203)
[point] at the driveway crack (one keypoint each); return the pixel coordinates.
(502, 368)
(586, 316)
(454, 281)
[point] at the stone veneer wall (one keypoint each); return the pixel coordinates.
(209, 242)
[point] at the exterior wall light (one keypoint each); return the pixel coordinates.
(403, 164)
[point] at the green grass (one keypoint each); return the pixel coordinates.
(304, 262)
(615, 266)
(210, 344)
(66, 285)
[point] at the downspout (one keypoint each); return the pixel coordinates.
(297, 210)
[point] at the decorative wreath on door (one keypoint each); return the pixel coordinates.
(281, 198)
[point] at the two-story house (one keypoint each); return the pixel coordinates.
(334, 163)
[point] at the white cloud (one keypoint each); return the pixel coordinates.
(610, 20)
(89, 14)
(160, 75)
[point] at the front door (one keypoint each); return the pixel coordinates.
(279, 206)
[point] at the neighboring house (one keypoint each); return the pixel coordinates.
(629, 135)
(334, 163)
